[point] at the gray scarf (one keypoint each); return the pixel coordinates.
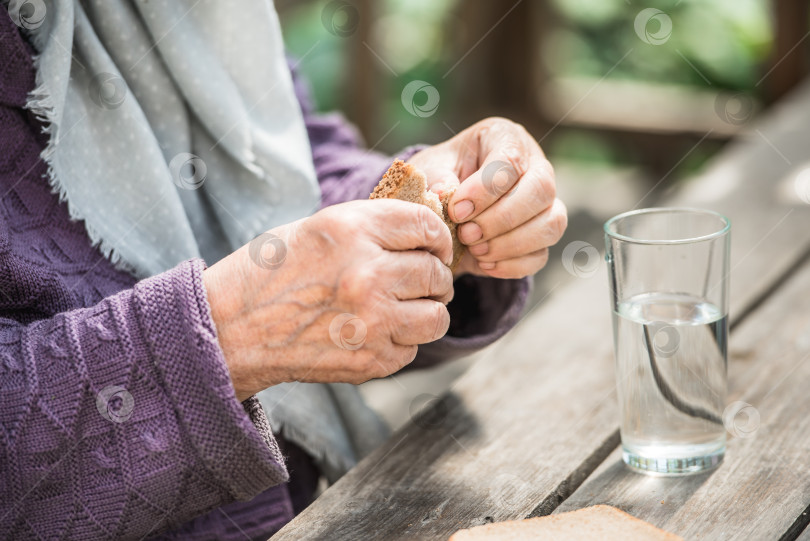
(175, 133)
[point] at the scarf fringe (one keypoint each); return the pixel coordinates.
(40, 103)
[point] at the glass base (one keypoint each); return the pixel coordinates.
(670, 466)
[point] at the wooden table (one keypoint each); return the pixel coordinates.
(532, 429)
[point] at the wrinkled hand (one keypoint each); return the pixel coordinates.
(505, 202)
(342, 296)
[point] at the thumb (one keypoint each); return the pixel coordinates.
(440, 179)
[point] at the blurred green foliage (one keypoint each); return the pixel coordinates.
(714, 44)
(726, 40)
(412, 52)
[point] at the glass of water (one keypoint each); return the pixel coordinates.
(668, 271)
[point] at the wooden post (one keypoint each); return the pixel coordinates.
(363, 78)
(499, 74)
(790, 59)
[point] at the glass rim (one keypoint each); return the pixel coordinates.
(655, 210)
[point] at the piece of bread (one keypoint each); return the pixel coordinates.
(403, 181)
(601, 522)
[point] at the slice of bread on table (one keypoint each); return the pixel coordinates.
(601, 522)
(403, 181)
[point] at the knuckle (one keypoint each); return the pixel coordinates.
(359, 366)
(360, 378)
(396, 358)
(440, 277)
(542, 258)
(559, 224)
(381, 369)
(545, 188)
(550, 168)
(407, 356)
(524, 132)
(404, 357)
(334, 222)
(422, 276)
(432, 276)
(356, 283)
(440, 319)
(498, 122)
(444, 277)
(428, 223)
(492, 121)
(516, 156)
(508, 221)
(330, 216)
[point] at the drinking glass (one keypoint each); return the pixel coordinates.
(668, 272)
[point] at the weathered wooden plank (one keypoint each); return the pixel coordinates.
(805, 534)
(762, 486)
(462, 465)
(521, 429)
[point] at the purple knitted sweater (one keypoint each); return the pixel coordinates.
(117, 416)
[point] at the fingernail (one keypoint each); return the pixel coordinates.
(479, 249)
(464, 209)
(470, 232)
(486, 265)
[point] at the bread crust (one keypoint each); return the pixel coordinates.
(405, 182)
(595, 522)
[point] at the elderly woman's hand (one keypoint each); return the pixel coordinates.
(505, 203)
(342, 296)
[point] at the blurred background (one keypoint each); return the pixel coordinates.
(628, 99)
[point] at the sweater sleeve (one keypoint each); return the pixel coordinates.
(483, 309)
(120, 420)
